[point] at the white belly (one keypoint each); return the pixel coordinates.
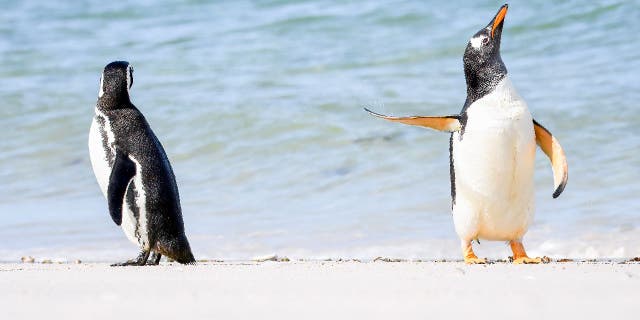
(494, 165)
(99, 156)
(135, 231)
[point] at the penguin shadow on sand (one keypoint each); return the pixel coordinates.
(492, 148)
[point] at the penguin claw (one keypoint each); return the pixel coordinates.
(475, 260)
(141, 260)
(527, 260)
(127, 263)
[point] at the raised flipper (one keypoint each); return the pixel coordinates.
(123, 171)
(445, 123)
(552, 148)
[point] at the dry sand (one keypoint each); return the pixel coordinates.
(321, 290)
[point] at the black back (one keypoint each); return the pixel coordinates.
(134, 138)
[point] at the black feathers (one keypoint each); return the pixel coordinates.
(121, 174)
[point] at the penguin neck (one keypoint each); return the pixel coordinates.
(113, 101)
(483, 79)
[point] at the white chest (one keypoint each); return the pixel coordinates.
(101, 149)
(493, 165)
(102, 155)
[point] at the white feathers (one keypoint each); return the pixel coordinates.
(140, 200)
(494, 165)
(97, 153)
(136, 231)
(476, 42)
(101, 91)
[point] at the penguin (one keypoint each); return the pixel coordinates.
(134, 173)
(492, 150)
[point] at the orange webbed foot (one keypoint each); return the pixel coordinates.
(520, 255)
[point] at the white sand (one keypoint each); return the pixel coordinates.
(320, 290)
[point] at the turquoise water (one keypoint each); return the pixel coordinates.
(259, 106)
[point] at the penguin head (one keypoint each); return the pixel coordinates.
(482, 61)
(116, 80)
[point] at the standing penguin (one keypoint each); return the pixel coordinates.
(134, 173)
(492, 151)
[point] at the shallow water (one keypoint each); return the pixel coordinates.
(259, 106)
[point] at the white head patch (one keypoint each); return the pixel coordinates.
(476, 42)
(101, 92)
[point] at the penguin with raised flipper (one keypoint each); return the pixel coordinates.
(492, 150)
(134, 173)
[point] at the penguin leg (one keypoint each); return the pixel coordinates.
(155, 259)
(141, 260)
(468, 254)
(519, 255)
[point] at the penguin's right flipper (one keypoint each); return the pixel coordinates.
(445, 123)
(552, 148)
(123, 171)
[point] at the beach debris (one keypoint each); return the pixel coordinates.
(545, 259)
(46, 261)
(28, 259)
(77, 261)
(564, 260)
(383, 259)
(271, 257)
(210, 260)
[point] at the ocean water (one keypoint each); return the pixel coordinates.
(259, 106)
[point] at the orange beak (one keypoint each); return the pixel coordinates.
(499, 18)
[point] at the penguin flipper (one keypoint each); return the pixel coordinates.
(123, 171)
(552, 148)
(444, 123)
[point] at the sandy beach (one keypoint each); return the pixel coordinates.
(320, 290)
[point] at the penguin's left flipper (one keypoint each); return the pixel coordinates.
(123, 171)
(552, 148)
(444, 123)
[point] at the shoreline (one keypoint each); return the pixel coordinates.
(27, 260)
(320, 290)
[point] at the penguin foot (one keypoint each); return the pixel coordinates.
(127, 263)
(141, 260)
(527, 260)
(469, 256)
(474, 260)
(520, 256)
(154, 260)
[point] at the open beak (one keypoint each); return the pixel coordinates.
(498, 19)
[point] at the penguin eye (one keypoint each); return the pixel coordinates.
(485, 41)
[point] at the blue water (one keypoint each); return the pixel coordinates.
(259, 106)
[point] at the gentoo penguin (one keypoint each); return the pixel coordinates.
(134, 173)
(492, 150)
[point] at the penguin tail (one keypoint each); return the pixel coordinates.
(186, 258)
(177, 249)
